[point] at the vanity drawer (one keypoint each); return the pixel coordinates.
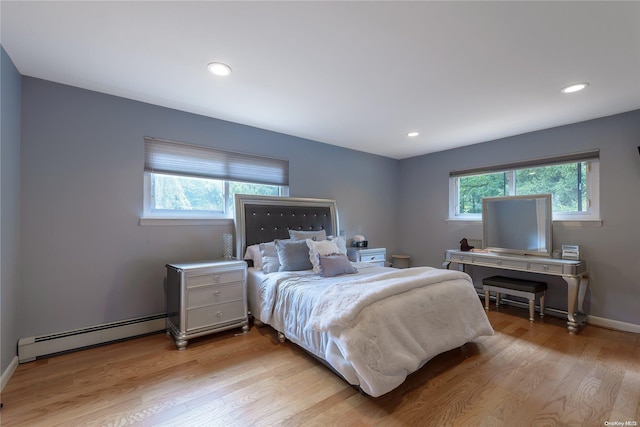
(510, 263)
(502, 262)
(545, 268)
(462, 258)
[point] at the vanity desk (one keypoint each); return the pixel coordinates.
(574, 273)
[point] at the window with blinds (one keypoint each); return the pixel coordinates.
(572, 180)
(185, 180)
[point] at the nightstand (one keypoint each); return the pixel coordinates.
(373, 255)
(205, 297)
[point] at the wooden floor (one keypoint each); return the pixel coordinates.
(527, 374)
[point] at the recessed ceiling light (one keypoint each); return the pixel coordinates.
(574, 88)
(219, 69)
(412, 134)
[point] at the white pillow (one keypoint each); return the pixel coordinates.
(253, 254)
(322, 248)
(270, 262)
(341, 242)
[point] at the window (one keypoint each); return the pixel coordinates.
(573, 181)
(189, 181)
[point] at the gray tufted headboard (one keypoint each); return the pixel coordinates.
(261, 219)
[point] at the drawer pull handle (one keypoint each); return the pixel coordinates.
(216, 278)
(499, 262)
(217, 293)
(218, 314)
(545, 267)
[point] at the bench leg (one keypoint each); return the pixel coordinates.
(542, 305)
(486, 300)
(497, 299)
(532, 308)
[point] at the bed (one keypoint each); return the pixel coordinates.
(371, 325)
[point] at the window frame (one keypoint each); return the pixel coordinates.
(150, 212)
(151, 216)
(592, 182)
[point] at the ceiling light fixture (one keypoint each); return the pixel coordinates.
(574, 87)
(413, 134)
(219, 69)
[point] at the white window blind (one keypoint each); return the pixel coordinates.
(171, 157)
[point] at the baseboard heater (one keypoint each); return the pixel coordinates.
(32, 348)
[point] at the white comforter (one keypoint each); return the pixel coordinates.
(377, 327)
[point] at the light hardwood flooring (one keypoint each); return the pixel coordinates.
(527, 374)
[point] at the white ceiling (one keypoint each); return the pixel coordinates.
(353, 74)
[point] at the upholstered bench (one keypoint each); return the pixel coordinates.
(516, 287)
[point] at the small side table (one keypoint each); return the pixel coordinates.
(400, 261)
(205, 297)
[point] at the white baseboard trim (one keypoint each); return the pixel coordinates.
(603, 322)
(613, 324)
(31, 348)
(6, 375)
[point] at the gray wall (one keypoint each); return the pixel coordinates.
(9, 209)
(612, 250)
(85, 259)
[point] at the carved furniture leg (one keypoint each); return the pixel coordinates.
(181, 343)
(582, 292)
(576, 291)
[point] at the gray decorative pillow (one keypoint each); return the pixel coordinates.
(269, 255)
(335, 265)
(304, 235)
(293, 255)
(321, 248)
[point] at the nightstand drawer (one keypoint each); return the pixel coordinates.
(215, 314)
(215, 278)
(207, 295)
(372, 257)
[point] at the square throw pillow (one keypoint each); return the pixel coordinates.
(341, 242)
(304, 235)
(335, 265)
(269, 257)
(316, 249)
(293, 255)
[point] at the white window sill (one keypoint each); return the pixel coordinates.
(184, 221)
(577, 223)
(568, 223)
